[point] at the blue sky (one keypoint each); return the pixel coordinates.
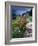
(19, 10)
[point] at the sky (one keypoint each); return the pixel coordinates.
(19, 10)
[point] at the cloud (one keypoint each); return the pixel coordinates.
(19, 10)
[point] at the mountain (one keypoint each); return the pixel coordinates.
(28, 12)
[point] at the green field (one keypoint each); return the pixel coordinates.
(17, 31)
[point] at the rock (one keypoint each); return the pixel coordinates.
(29, 27)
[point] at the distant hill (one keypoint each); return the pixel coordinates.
(28, 12)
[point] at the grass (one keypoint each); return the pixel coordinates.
(16, 33)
